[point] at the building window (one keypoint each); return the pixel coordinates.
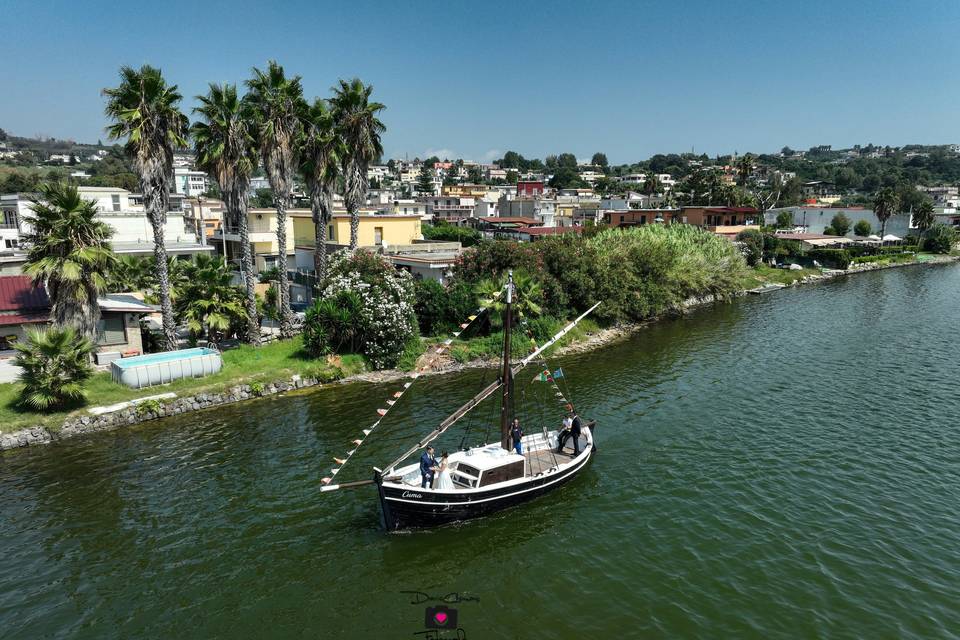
(330, 233)
(115, 200)
(111, 329)
(11, 243)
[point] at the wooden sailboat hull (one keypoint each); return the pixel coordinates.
(406, 507)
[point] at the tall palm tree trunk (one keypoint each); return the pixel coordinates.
(170, 342)
(246, 262)
(320, 202)
(283, 293)
(356, 190)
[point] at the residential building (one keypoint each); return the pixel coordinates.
(183, 161)
(464, 190)
(24, 306)
(407, 207)
(494, 174)
(202, 217)
(450, 208)
(638, 217)
(532, 234)
(717, 216)
(190, 183)
(426, 260)
(591, 176)
(530, 188)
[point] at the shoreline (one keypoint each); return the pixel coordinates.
(152, 408)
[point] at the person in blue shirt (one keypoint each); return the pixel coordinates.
(516, 433)
(428, 466)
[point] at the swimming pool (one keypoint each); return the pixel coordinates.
(165, 367)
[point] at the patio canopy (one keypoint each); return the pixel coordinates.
(891, 238)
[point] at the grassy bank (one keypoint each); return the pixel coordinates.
(243, 365)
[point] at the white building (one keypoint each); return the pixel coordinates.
(190, 183)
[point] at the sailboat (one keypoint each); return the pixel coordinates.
(490, 477)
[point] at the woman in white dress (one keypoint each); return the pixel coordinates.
(443, 481)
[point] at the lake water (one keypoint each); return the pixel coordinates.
(782, 466)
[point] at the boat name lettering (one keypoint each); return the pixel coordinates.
(409, 494)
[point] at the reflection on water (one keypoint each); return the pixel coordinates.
(783, 466)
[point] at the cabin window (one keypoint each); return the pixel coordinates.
(115, 201)
(503, 473)
(111, 329)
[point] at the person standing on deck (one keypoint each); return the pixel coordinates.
(516, 433)
(428, 465)
(574, 432)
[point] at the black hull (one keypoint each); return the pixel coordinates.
(406, 507)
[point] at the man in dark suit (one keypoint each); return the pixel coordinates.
(574, 432)
(428, 465)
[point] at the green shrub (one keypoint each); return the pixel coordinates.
(53, 364)
(940, 239)
(833, 258)
(146, 407)
(446, 232)
(257, 388)
(862, 229)
(753, 243)
(366, 305)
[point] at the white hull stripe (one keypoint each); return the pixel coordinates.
(500, 497)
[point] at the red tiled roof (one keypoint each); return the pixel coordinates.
(17, 293)
(494, 220)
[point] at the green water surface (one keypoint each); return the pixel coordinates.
(785, 466)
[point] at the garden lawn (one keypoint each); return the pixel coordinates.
(243, 365)
(762, 274)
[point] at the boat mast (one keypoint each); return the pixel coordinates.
(507, 374)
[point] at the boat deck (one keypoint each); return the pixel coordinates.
(540, 461)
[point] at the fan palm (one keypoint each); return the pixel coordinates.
(276, 109)
(131, 273)
(53, 365)
(527, 299)
(744, 169)
(923, 219)
(358, 126)
(69, 255)
(651, 184)
(207, 301)
(885, 204)
(226, 149)
(145, 110)
(320, 166)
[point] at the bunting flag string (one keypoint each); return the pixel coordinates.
(366, 432)
(546, 375)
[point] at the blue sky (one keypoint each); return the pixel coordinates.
(473, 79)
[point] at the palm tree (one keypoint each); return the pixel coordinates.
(744, 169)
(885, 204)
(923, 219)
(320, 165)
(358, 126)
(130, 273)
(208, 302)
(226, 148)
(145, 110)
(651, 184)
(69, 255)
(277, 108)
(53, 364)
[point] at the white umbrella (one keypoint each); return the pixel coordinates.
(875, 238)
(891, 238)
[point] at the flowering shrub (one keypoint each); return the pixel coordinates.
(382, 320)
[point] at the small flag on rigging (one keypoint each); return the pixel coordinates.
(558, 373)
(358, 442)
(339, 461)
(382, 412)
(398, 394)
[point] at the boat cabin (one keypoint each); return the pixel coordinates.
(484, 467)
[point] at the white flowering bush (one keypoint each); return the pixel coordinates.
(379, 319)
